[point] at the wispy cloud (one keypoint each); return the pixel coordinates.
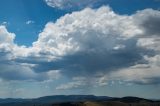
(30, 22)
(71, 4)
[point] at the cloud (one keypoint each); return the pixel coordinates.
(140, 73)
(90, 42)
(82, 82)
(150, 43)
(6, 43)
(30, 22)
(6, 37)
(9, 70)
(10, 52)
(79, 31)
(71, 4)
(78, 82)
(4, 23)
(99, 40)
(95, 41)
(7, 65)
(24, 72)
(149, 22)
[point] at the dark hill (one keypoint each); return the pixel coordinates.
(131, 100)
(70, 98)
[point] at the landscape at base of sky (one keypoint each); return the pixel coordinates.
(63, 47)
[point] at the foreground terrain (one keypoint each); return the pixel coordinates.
(79, 100)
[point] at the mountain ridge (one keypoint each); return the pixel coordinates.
(56, 99)
(71, 99)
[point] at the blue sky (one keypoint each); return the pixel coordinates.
(100, 47)
(17, 12)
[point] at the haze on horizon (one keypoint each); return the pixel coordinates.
(65, 47)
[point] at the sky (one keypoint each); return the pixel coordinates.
(64, 47)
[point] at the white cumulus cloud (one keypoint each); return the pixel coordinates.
(88, 42)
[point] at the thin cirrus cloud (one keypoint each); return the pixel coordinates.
(92, 42)
(71, 4)
(29, 22)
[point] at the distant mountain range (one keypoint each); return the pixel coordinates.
(69, 99)
(57, 99)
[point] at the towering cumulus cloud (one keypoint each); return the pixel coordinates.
(92, 42)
